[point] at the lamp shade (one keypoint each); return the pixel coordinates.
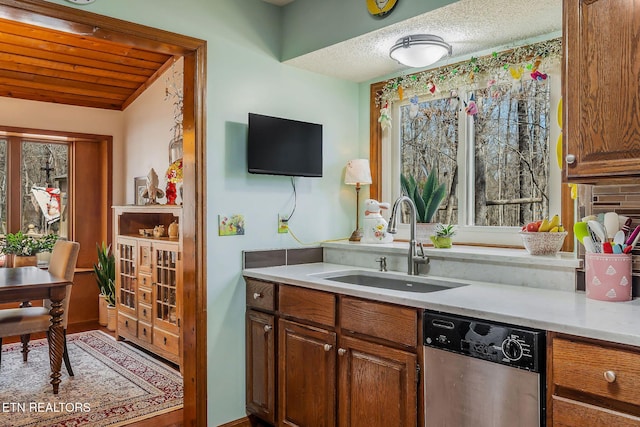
(419, 50)
(358, 172)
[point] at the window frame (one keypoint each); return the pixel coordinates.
(381, 188)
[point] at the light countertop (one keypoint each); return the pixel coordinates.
(552, 310)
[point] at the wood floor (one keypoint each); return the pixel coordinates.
(171, 419)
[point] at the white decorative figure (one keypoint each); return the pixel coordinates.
(152, 192)
(375, 226)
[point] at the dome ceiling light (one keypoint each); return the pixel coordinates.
(419, 50)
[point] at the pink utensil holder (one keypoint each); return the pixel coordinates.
(608, 276)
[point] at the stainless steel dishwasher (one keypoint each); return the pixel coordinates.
(482, 374)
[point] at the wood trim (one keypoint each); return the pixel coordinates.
(44, 13)
(242, 422)
(375, 143)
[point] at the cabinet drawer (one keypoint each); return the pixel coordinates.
(582, 366)
(166, 341)
(386, 321)
(144, 295)
(570, 413)
(144, 280)
(307, 304)
(127, 324)
(144, 332)
(260, 294)
(144, 313)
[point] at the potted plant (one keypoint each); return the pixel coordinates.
(45, 246)
(23, 247)
(427, 199)
(105, 270)
(442, 235)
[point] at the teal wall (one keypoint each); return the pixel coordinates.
(244, 75)
(309, 25)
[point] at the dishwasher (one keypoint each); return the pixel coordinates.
(479, 373)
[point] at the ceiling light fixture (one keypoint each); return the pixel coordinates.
(419, 50)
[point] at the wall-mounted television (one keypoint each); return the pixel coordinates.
(278, 146)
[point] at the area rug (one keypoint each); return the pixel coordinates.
(114, 384)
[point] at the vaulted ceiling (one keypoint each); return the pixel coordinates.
(43, 64)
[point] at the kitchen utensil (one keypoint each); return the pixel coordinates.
(619, 238)
(589, 246)
(598, 233)
(617, 249)
(633, 235)
(607, 248)
(611, 224)
(625, 224)
(580, 229)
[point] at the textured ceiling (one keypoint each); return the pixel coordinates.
(278, 2)
(470, 26)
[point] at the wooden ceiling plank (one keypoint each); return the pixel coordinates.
(17, 92)
(64, 85)
(149, 82)
(29, 43)
(49, 72)
(37, 85)
(69, 39)
(7, 57)
(73, 60)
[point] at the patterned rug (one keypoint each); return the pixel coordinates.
(114, 385)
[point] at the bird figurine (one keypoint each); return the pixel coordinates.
(152, 192)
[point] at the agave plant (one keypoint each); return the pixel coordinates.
(444, 230)
(105, 271)
(427, 199)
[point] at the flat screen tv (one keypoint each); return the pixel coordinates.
(279, 146)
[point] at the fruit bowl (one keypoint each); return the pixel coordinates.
(541, 243)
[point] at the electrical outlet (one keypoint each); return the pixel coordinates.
(283, 224)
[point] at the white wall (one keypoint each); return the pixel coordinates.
(243, 75)
(147, 132)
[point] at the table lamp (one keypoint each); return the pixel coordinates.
(358, 173)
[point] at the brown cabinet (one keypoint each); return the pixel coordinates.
(359, 371)
(601, 90)
(593, 383)
(148, 280)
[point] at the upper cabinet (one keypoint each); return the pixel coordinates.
(601, 90)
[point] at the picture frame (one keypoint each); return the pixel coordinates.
(139, 185)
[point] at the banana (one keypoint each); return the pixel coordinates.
(545, 226)
(555, 221)
(554, 229)
(560, 228)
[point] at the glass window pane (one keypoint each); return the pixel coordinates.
(44, 184)
(3, 186)
(429, 142)
(512, 154)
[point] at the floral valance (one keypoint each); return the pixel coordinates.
(499, 68)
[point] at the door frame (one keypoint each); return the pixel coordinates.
(193, 331)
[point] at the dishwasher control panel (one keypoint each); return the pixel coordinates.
(492, 341)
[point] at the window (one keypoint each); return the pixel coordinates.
(34, 196)
(492, 144)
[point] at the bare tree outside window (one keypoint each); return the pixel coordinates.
(509, 142)
(3, 186)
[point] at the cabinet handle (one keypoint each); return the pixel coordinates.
(257, 295)
(570, 159)
(165, 340)
(267, 328)
(144, 312)
(610, 376)
(126, 323)
(342, 351)
(327, 347)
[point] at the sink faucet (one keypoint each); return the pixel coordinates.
(413, 259)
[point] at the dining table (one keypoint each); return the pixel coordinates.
(24, 284)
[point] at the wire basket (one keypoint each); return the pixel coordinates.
(542, 243)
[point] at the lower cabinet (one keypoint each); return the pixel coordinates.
(356, 372)
(592, 383)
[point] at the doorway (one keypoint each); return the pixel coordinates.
(193, 51)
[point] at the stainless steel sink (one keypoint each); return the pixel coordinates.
(388, 281)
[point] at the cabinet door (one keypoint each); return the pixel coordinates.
(167, 278)
(377, 385)
(571, 413)
(126, 279)
(307, 375)
(261, 369)
(601, 91)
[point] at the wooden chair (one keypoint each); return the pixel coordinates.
(28, 320)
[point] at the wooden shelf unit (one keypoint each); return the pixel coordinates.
(149, 280)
